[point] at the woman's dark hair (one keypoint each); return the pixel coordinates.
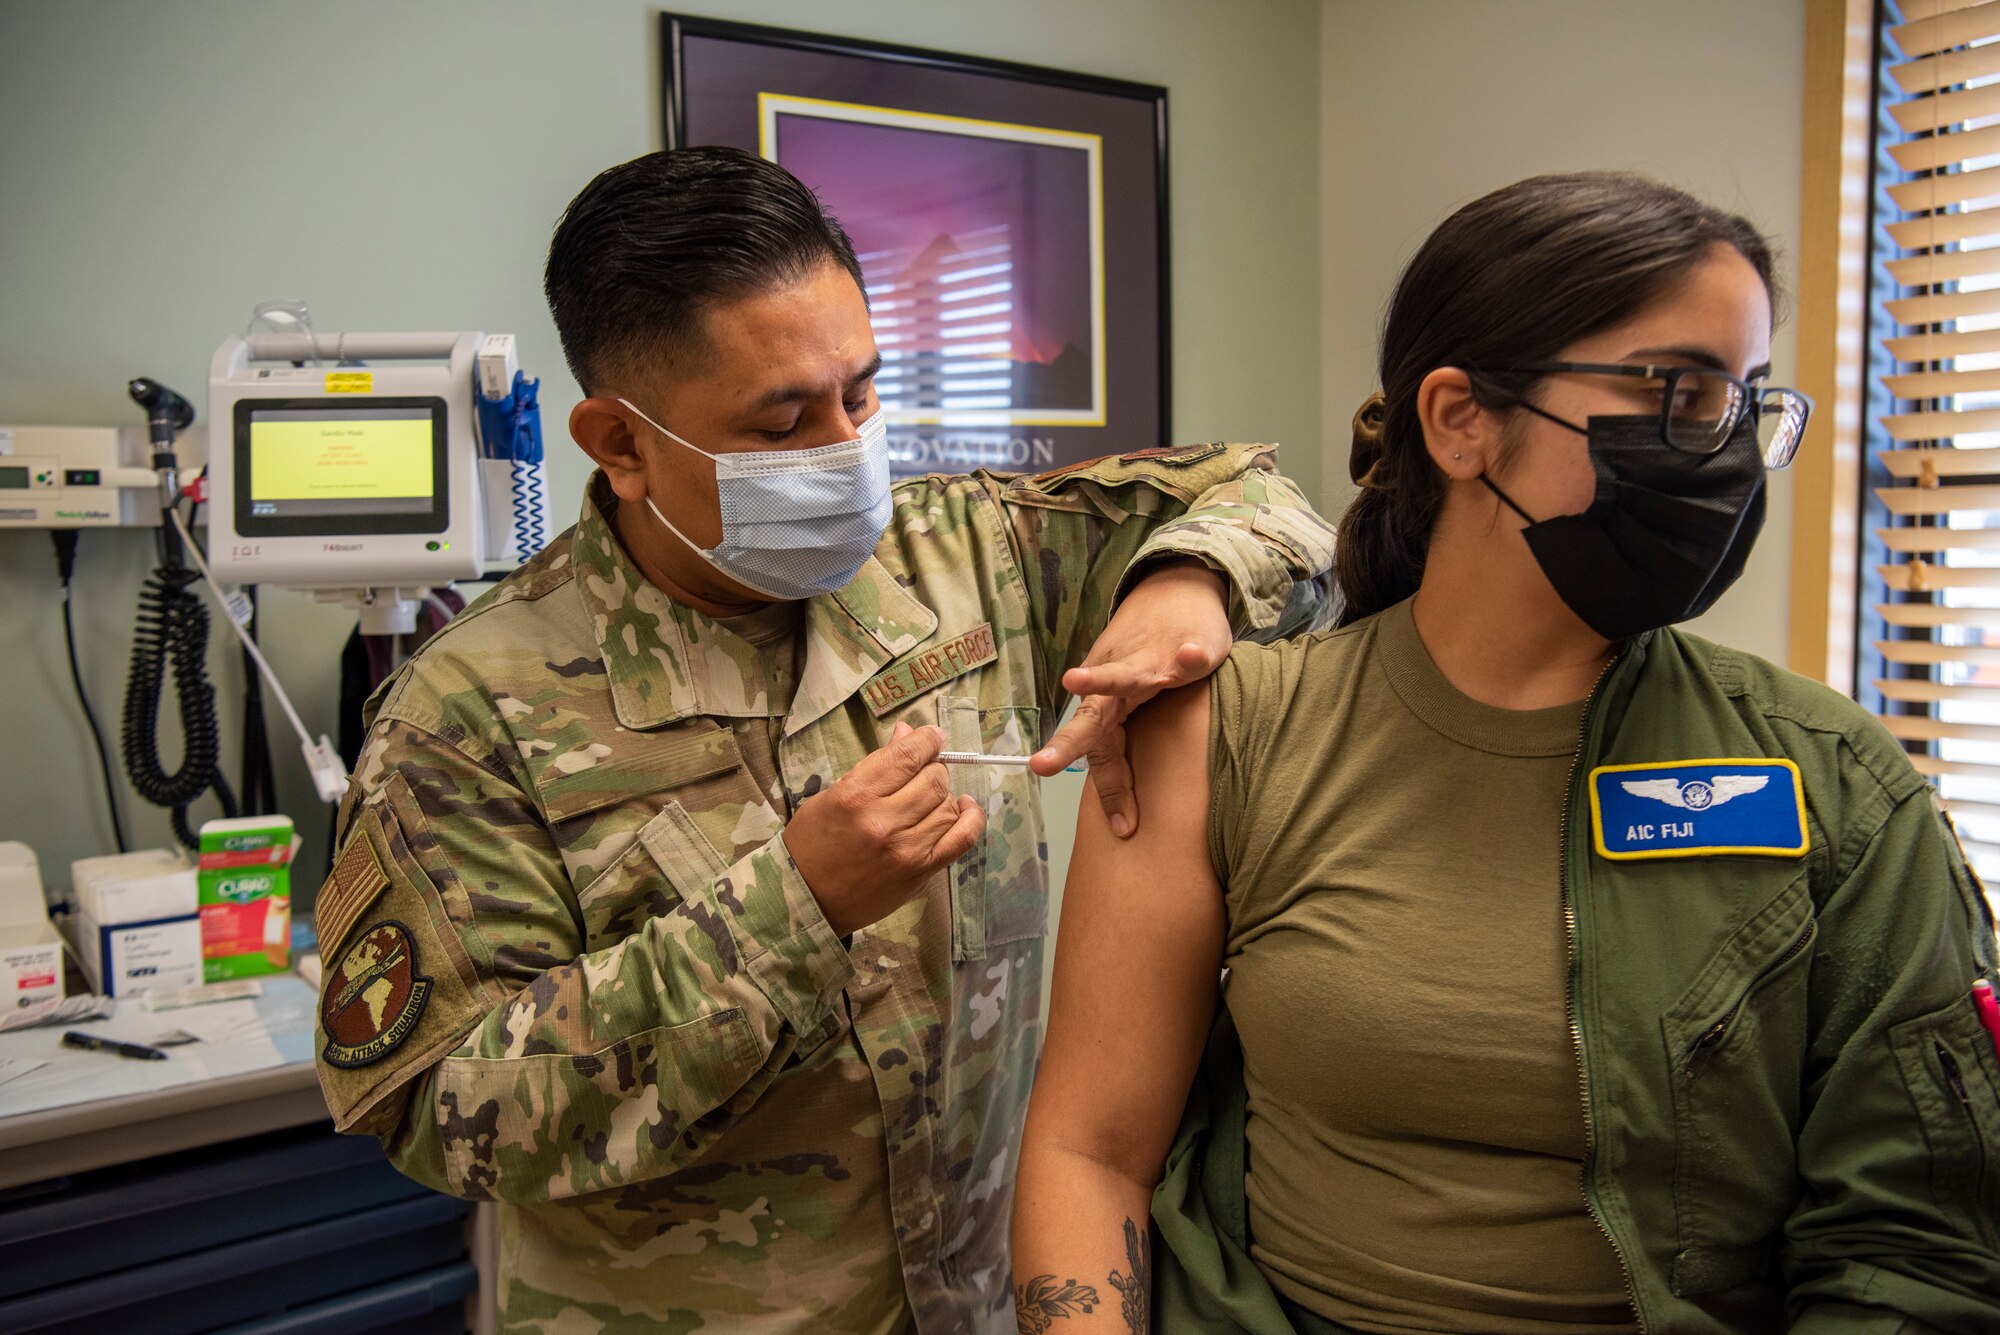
(1513, 277)
(651, 243)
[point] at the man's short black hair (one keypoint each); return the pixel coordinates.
(648, 245)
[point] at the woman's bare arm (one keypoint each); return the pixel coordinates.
(1137, 963)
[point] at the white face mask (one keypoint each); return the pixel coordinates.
(795, 522)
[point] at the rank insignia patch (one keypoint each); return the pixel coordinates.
(1698, 808)
(372, 1001)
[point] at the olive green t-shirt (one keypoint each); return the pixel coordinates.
(1397, 962)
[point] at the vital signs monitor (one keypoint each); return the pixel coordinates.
(369, 468)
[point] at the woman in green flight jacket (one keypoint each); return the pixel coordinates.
(1582, 975)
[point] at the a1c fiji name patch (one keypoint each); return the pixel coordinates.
(929, 666)
(1698, 808)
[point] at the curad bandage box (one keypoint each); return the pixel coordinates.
(246, 896)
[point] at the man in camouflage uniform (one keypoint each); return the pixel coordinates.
(654, 918)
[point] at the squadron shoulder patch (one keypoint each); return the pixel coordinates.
(1698, 808)
(372, 1000)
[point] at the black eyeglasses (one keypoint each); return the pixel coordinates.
(1699, 407)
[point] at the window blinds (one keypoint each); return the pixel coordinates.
(1937, 452)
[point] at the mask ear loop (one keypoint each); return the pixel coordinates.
(705, 553)
(707, 556)
(1546, 415)
(1507, 500)
(668, 434)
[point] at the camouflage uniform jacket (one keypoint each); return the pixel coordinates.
(571, 967)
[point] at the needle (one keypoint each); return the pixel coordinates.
(988, 758)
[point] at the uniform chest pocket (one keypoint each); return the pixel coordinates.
(670, 861)
(638, 886)
(689, 784)
(1000, 890)
(1735, 1045)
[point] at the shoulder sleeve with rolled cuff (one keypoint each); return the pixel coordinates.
(1085, 534)
(1897, 1231)
(526, 1070)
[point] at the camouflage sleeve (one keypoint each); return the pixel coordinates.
(1086, 533)
(462, 1023)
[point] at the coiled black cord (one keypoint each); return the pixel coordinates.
(172, 628)
(65, 541)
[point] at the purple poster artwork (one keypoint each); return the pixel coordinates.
(981, 244)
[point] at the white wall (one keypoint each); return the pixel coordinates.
(400, 164)
(1427, 104)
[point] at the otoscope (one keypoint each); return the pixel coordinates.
(167, 415)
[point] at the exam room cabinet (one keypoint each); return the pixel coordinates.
(301, 1232)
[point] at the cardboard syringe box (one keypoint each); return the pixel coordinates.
(31, 950)
(136, 924)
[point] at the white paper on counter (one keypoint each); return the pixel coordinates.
(234, 1040)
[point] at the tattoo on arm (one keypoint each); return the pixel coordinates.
(1041, 1301)
(1135, 1289)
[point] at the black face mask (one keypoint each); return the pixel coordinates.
(1667, 534)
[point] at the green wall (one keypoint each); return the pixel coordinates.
(164, 167)
(1705, 94)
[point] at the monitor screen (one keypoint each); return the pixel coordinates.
(325, 467)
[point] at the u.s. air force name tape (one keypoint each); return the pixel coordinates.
(931, 666)
(1698, 808)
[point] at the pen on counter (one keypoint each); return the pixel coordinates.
(92, 1043)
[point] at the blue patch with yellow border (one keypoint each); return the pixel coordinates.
(1698, 808)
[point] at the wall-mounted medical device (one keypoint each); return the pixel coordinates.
(77, 477)
(368, 469)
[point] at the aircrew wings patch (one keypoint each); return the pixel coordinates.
(1698, 808)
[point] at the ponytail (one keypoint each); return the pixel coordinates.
(1384, 534)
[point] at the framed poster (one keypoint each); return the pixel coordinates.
(1010, 222)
